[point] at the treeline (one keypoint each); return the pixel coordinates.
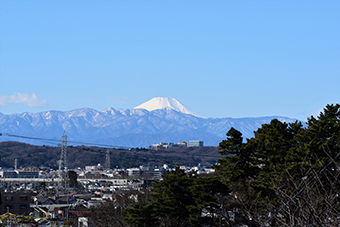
(286, 175)
(79, 156)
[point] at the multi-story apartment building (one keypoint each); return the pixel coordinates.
(16, 202)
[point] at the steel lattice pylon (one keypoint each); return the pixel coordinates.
(107, 164)
(63, 160)
(63, 155)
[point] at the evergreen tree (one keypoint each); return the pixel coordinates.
(180, 199)
(141, 214)
(171, 198)
(271, 145)
(208, 193)
(323, 132)
(278, 159)
(236, 166)
(170, 202)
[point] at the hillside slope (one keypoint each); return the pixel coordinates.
(80, 156)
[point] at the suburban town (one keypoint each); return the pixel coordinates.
(41, 196)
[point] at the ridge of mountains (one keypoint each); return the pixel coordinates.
(158, 120)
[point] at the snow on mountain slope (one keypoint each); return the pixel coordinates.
(162, 120)
(163, 103)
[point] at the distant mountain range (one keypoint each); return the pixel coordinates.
(158, 120)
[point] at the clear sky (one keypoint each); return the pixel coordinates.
(219, 58)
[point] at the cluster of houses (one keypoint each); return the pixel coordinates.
(41, 193)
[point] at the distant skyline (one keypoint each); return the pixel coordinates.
(218, 58)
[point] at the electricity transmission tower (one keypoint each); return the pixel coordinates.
(107, 163)
(63, 156)
(63, 160)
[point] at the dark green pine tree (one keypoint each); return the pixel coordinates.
(172, 197)
(271, 145)
(141, 214)
(179, 200)
(236, 165)
(320, 142)
(280, 159)
(273, 141)
(171, 202)
(258, 164)
(323, 133)
(209, 193)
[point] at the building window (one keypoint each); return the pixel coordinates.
(23, 198)
(9, 198)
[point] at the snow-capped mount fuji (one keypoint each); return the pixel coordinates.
(159, 103)
(158, 120)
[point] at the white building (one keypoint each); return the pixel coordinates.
(161, 146)
(195, 143)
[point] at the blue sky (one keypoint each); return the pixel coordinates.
(219, 58)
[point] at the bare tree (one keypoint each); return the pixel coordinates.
(315, 200)
(308, 194)
(111, 212)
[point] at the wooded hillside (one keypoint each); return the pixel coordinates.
(79, 156)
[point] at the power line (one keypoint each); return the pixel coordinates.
(69, 141)
(105, 145)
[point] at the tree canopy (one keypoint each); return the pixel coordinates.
(278, 158)
(179, 200)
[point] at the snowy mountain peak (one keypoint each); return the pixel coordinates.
(163, 103)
